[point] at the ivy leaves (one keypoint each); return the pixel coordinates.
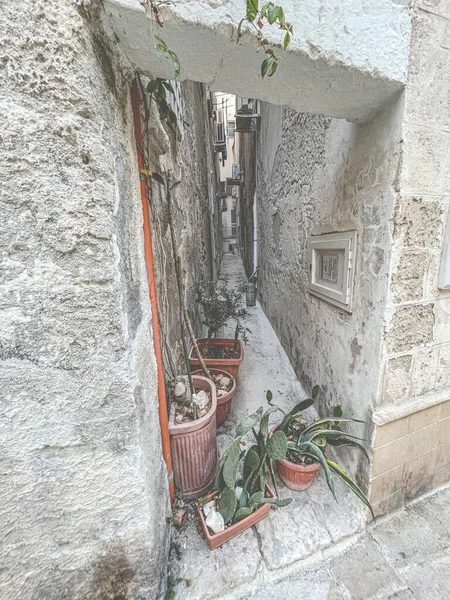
(273, 14)
(162, 49)
(158, 88)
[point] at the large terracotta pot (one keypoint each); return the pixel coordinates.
(296, 477)
(194, 449)
(217, 539)
(230, 365)
(223, 402)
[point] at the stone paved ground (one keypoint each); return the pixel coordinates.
(312, 523)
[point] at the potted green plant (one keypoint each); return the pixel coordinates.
(220, 304)
(242, 496)
(307, 449)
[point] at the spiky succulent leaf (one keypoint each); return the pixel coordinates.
(248, 423)
(298, 408)
(251, 462)
(328, 434)
(343, 441)
(244, 499)
(277, 445)
(329, 421)
(272, 475)
(256, 499)
(230, 466)
(242, 513)
(277, 501)
(227, 504)
(313, 450)
(345, 477)
(262, 478)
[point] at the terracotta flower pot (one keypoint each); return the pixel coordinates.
(296, 477)
(223, 402)
(217, 539)
(230, 365)
(194, 449)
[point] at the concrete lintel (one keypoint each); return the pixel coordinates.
(346, 59)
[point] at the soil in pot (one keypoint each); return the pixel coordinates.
(234, 355)
(225, 391)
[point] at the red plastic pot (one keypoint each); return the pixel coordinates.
(194, 449)
(230, 365)
(217, 539)
(223, 402)
(296, 477)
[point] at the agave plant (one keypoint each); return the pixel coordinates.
(311, 441)
(256, 461)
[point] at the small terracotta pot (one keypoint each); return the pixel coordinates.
(296, 477)
(223, 402)
(230, 365)
(217, 539)
(194, 448)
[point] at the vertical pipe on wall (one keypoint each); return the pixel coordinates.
(149, 263)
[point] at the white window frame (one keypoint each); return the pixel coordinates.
(444, 270)
(343, 242)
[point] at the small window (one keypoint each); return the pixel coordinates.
(231, 128)
(332, 266)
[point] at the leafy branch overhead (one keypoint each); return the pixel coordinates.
(158, 88)
(257, 17)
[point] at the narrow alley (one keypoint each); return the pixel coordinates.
(280, 543)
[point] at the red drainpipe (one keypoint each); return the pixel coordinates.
(149, 263)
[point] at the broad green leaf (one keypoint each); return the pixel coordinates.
(316, 389)
(277, 445)
(286, 40)
(239, 29)
(318, 454)
(252, 9)
(273, 67)
(230, 467)
(176, 63)
(262, 478)
(248, 423)
(345, 477)
(251, 462)
(246, 511)
(227, 503)
(269, 396)
(277, 501)
(256, 499)
(264, 426)
(159, 50)
(265, 67)
(168, 86)
(244, 499)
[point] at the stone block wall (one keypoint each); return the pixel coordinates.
(83, 486)
(415, 382)
(319, 175)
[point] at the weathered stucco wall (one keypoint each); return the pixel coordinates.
(413, 438)
(189, 158)
(83, 492)
(319, 175)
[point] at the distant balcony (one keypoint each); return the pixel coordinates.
(229, 233)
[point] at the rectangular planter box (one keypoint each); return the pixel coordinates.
(231, 365)
(216, 540)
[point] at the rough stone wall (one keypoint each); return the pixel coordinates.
(320, 175)
(196, 214)
(83, 492)
(416, 349)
